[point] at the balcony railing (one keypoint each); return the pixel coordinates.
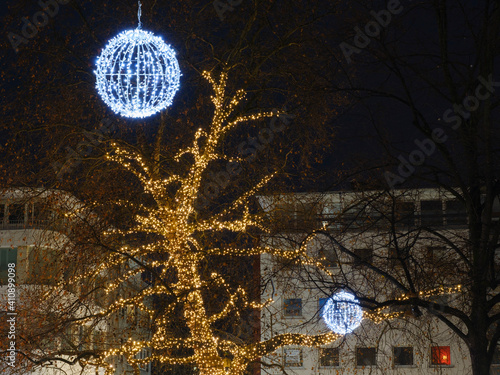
(22, 224)
(360, 222)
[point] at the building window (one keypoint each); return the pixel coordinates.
(39, 214)
(2, 213)
(363, 256)
(437, 254)
(355, 217)
(440, 356)
(496, 357)
(330, 216)
(405, 309)
(99, 339)
(495, 362)
(329, 357)
(143, 354)
(404, 214)
(81, 338)
(440, 302)
(366, 357)
(403, 356)
(131, 315)
(321, 305)
(307, 216)
(495, 214)
(293, 358)
(431, 213)
(293, 306)
(455, 213)
(328, 257)
(7, 256)
(296, 217)
(16, 214)
(44, 266)
(283, 217)
(395, 256)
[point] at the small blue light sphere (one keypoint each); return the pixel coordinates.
(137, 74)
(342, 313)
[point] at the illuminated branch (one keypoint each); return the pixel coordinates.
(177, 244)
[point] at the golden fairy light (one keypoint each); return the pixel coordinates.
(171, 220)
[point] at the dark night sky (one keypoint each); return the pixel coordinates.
(356, 126)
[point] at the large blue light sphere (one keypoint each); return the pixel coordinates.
(342, 313)
(137, 74)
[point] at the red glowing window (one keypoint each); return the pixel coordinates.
(440, 356)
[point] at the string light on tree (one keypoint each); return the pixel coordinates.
(137, 73)
(177, 248)
(342, 313)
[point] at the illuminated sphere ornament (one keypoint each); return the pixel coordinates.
(342, 313)
(137, 73)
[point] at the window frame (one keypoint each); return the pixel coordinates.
(329, 216)
(357, 357)
(407, 310)
(296, 216)
(328, 262)
(405, 213)
(40, 213)
(283, 216)
(392, 256)
(354, 217)
(432, 217)
(11, 212)
(301, 357)
(321, 305)
(437, 254)
(3, 214)
(496, 356)
(39, 261)
(432, 356)
(336, 352)
(8, 259)
(287, 315)
(455, 216)
(307, 216)
(402, 348)
(143, 354)
(360, 262)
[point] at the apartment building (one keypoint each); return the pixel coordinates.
(366, 243)
(35, 230)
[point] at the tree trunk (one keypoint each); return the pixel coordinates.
(197, 320)
(479, 359)
(478, 344)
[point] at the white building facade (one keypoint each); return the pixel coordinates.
(33, 223)
(405, 236)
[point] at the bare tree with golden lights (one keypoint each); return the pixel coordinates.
(174, 253)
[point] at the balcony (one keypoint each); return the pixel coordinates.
(24, 224)
(28, 215)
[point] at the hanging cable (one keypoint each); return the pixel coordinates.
(139, 13)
